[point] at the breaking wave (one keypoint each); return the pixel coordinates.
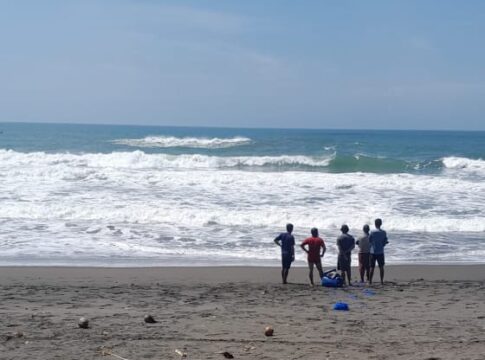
(140, 160)
(466, 164)
(329, 163)
(184, 142)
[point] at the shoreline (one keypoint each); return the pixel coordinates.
(223, 274)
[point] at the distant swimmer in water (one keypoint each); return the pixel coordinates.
(286, 242)
(315, 251)
(345, 244)
(377, 241)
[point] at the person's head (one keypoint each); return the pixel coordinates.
(289, 228)
(344, 228)
(366, 229)
(378, 223)
(314, 232)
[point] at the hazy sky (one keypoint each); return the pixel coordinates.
(319, 64)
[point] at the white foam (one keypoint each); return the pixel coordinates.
(187, 142)
(140, 160)
(464, 164)
(58, 204)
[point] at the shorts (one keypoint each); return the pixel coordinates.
(376, 257)
(317, 262)
(364, 260)
(286, 260)
(343, 262)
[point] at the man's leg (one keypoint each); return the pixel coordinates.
(381, 267)
(367, 265)
(341, 267)
(372, 267)
(283, 262)
(285, 275)
(319, 268)
(310, 273)
(343, 273)
(361, 268)
(285, 267)
(349, 274)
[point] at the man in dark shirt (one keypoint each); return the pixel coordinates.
(286, 242)
(377, 240)
(345, 244)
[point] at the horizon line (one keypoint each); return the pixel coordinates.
(235, 127)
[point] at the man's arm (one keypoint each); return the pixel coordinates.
(339, 246)
(303, 247)
(324, 249)
(277, 240)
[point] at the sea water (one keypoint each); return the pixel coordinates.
(146, 196)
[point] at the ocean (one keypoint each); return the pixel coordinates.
(101, 195)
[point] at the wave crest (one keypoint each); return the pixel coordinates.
(187, 142)
(140, 160)
(462, 163)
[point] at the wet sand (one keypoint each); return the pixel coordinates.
(422, 312)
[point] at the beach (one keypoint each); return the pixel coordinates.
(163, 165)
(422, 312)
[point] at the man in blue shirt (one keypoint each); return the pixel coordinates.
(286, 242)
(377, 241)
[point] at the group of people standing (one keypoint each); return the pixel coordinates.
(371, 251)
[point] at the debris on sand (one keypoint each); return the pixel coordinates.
(108, 352)
(181, 353)
(268, 331)
(228, 355)
(149, 319)
(83, 323)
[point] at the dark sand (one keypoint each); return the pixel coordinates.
(423, 312)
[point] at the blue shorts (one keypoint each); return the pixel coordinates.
(286, 260)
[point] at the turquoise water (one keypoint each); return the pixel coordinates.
(138, 195)
(348, 150)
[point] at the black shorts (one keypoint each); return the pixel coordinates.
(343, 262)
(376, 257)
(286, 260)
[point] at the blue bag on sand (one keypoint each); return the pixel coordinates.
(329, 282)
(341, 306)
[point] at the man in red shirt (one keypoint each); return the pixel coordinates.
(314, 244)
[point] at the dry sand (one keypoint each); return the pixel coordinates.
(423, 312)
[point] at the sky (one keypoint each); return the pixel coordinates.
(248, 63)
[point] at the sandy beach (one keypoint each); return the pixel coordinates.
(423, 312)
